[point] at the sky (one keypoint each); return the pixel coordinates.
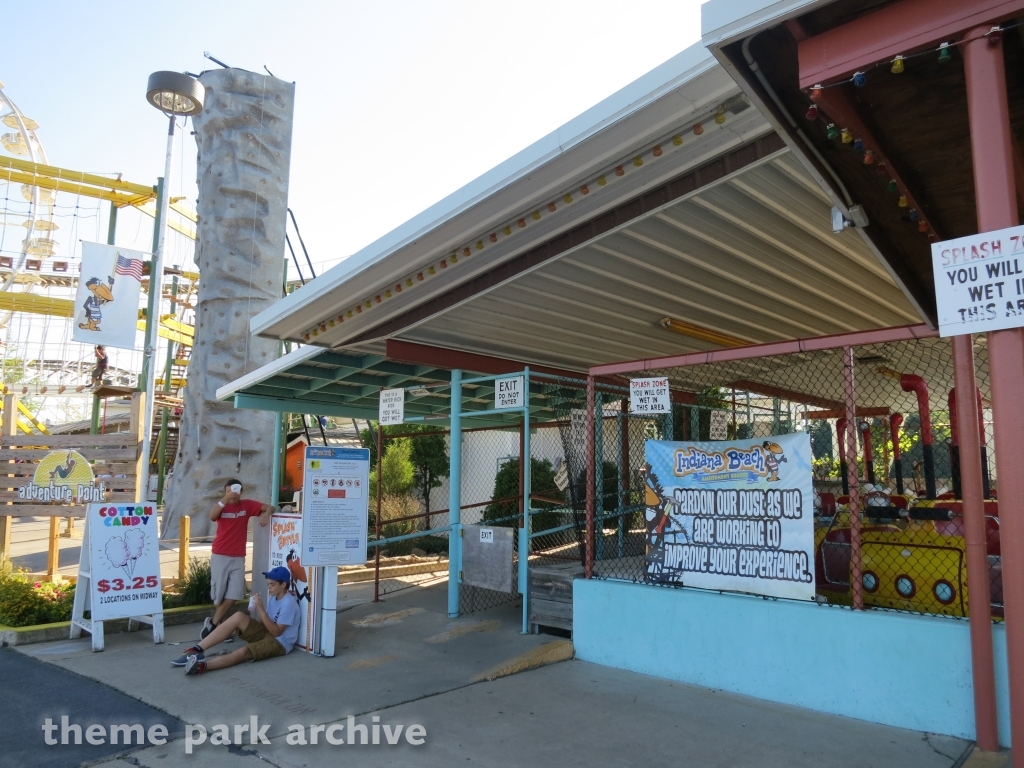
(398, 102)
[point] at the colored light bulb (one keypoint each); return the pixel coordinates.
(913, 214)
(832, 132)
(815, 93)
(881, 170)
(698, 129)
(897, 65)
(657, 151)
(869, 157)
(922, 226)
(720, 117)
(859, 79)
(891, 186)
(677, 140)
(995, 37)
(812, 112)
(944, 55)
(638, 161)
(903, 201)
(858, 145)
(846, 136)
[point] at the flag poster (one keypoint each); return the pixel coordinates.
(734, 515)
(107, 302)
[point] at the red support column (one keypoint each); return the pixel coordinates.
(856, 585)
(588, 567)
(985, 722)
(996, 201)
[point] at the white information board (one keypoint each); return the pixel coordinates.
(979, 282)
(719, 427)
(649, 396)
(335, 496)
(508, 393)
(392, 406)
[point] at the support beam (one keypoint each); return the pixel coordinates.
(858, 338)
(996, 202)
(900, 28)
(973, 495)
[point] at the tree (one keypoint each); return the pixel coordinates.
(429, 456)
(506, 486)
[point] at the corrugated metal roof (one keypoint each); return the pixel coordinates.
(688, 88)
(753, 257)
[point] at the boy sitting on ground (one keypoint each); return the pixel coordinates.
(273, 630)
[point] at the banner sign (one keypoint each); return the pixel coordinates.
(285, 548)
(508, 393)
(734, 515)
(392, 406)
(335, 505)
(107, 301)
(649, 396)
(124, 561)
(979, 282)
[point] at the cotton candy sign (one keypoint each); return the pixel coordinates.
(125, 561)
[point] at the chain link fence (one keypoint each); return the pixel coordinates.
(888, 517)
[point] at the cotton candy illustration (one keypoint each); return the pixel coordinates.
(135, 541)
(118, 554)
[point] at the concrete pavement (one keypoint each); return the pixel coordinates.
(406, 663)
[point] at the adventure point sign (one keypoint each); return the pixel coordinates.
(63, 477)
(732, 515)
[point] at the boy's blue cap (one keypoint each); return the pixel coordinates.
(279, 574)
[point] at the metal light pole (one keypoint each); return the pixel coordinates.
(173, 94)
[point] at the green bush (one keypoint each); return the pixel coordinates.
(24, 603)
(195, 589)
(506, 485)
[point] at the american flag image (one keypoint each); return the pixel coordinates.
(130, 267)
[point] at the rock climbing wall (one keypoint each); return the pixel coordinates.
(244, 135)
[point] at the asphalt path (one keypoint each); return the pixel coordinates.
(34, 690)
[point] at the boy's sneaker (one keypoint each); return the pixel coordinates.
(208, 627)
(194, 651)
(195, 665)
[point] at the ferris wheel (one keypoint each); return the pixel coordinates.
(23, 141)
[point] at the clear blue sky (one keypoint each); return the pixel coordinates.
(398, 103)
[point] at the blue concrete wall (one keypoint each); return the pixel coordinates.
(891, 668)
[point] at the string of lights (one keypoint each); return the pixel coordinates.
(897, 65)
(672, 141)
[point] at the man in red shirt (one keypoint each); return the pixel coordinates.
(227, 564)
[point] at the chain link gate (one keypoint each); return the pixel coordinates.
(889, 526)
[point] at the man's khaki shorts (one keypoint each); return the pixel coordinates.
(227, 578)
(262, 644)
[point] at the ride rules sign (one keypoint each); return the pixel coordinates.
(733, 515)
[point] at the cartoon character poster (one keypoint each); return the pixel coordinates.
(734, 515)
(107, 301)
(285, 549)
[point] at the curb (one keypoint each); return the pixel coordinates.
(61, 630)
(366, 574)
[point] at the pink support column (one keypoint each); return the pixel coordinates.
(591, 475)
(856, 585)
(996, 201)
(972, 489)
